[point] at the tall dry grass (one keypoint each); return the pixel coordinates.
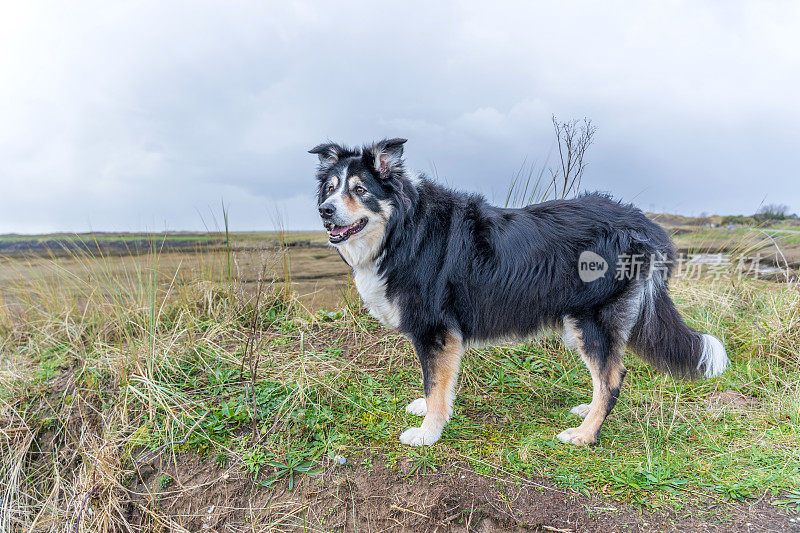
(92, 338)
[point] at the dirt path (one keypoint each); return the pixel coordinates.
(371, 497)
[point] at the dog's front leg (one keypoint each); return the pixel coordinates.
(440, 362)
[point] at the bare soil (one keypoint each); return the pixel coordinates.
(368, 495)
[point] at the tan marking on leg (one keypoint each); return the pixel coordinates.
(445, 376)
(587, 432)
(604, 381)
(439, 402)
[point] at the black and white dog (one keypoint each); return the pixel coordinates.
(448, 270)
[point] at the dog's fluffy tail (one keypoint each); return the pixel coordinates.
(662, 338)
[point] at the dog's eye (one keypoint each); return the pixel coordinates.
(360, 190)
(330, 188)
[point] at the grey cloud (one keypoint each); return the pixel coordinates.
(130, 115)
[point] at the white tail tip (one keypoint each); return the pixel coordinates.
(713, 360)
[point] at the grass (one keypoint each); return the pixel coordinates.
(735, 237)
(101, 373)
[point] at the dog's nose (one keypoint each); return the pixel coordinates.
(326, 210)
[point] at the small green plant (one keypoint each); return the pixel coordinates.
(220, 424)
(643, 480)
(422, 460)
(790, 500)
(290, 468)
(738, 490)
(254, 459)
(329, 316)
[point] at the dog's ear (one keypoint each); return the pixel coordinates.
(328, 153)
(386, 157)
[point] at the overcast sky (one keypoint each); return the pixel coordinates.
(146, 115)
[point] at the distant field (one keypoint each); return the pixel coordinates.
(64, 244)
(733, 237)
(779, 245)
(315, 271)
(258, 236)
(317, 275)
(102, 237)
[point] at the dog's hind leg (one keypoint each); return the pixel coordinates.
(440, 364)
(603, 356)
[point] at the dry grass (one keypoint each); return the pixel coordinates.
(108, 366)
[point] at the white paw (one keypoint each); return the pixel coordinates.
(418, 437)
(575, 436)
(581, 410)
(418, 407)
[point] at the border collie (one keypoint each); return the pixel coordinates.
(448, 270)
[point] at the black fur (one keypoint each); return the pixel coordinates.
(455, 262)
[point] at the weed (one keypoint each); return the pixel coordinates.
(422, 461)
(790, 500)
(291, 467)
(165, 481)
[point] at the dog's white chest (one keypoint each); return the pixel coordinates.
(372, 289)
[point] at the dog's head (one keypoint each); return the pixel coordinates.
(355, 200)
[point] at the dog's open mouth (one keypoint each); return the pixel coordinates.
(342, 233)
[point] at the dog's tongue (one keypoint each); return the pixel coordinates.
(338, 230)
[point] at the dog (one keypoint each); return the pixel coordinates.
(449, 270)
